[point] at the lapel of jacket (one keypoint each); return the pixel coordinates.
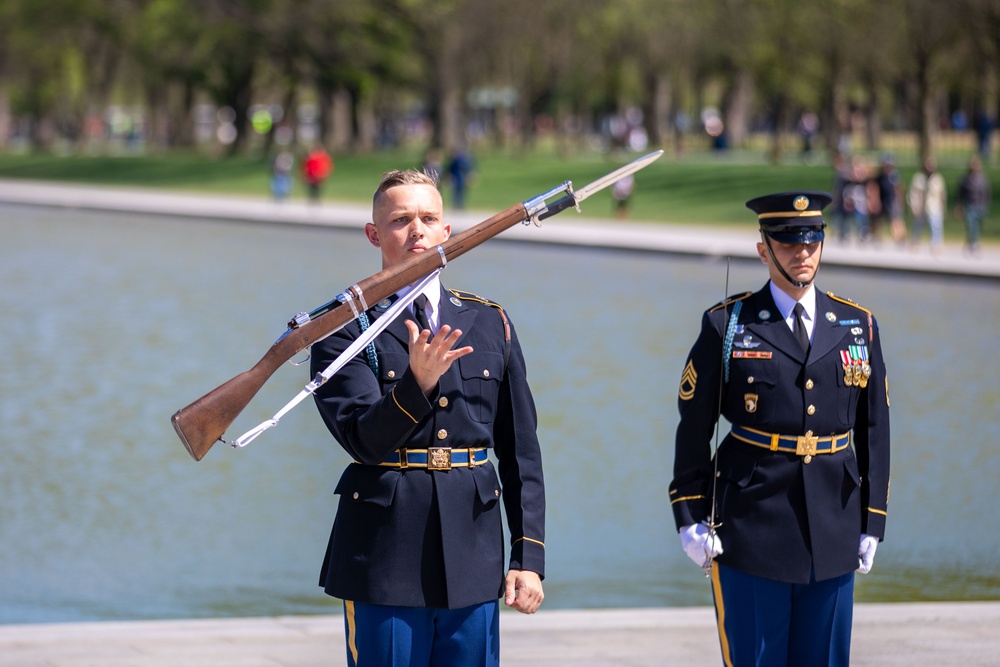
(772, 328)
(827, 333)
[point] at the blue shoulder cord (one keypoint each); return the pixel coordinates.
(370, 350)
(728, 345)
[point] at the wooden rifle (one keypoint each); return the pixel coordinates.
(202, 423)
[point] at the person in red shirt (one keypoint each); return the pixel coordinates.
(316, 168)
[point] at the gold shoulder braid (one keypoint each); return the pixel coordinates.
(854, 304)
(730, 300)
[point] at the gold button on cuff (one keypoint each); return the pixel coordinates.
(811, 410)
(809, 384)
(391, 374)
(443, 401)
(442, 434)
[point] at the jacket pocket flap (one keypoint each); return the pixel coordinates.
(368, 484)
(484, 365)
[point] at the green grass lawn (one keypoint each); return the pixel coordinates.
(699, 188)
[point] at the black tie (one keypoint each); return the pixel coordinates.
(799, 328)
(421, 314)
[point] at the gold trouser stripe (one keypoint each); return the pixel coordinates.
(720, 612)
(677, 500)
(352, 630)
(882, 512)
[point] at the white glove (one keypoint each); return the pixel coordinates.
(866, 553)
(700, 544)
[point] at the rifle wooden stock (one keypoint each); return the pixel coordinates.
(203, 423)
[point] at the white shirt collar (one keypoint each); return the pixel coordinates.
(786, 304)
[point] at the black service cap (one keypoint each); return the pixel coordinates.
(792, 217)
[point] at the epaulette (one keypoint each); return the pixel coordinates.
(730, 300)
(848, 302)
(469, 296)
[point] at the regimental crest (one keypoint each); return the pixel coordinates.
(801, 203)
(689, 378)
(750, 401)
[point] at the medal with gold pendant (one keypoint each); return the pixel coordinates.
(845, 358)
(855, 363)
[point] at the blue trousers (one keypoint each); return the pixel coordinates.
(387, 636)
(767, 623)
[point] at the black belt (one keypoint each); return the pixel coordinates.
(436, 458)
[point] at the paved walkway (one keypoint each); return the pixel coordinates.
(905, 634)
(908, 634)
(568, 228)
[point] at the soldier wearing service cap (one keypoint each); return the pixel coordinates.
(794, 500)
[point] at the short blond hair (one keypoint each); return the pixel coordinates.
(391, 179)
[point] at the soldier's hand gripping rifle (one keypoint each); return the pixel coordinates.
(203, 423)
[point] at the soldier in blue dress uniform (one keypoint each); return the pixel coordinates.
(416, 551)
(794, 500)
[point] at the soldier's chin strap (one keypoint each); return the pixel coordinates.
(781, 269)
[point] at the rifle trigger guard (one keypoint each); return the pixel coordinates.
(299, 363)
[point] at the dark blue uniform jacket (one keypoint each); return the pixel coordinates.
(783, 517)
(420, 538)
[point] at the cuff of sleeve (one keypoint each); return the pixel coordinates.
(409, 399)
(874, 523)
(528, 554)
(689, 510)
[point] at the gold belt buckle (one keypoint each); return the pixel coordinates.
(805, 445)
(439, 458)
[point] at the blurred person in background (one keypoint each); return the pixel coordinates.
(927, 198)
(316, 168)
(973, 202)
(889, 187)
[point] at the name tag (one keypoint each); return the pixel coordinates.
(750, 354)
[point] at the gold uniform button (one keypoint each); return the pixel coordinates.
(486, 372)
(807, 458)
(442, 434)
(809, 384)
(356, 496)
(811, 410)
(496, 492)
(391, 374)
(750, 380)
(443, 401)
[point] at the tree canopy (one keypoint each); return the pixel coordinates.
(508, 69)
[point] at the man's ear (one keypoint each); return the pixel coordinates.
(762, 252)
(371, 231)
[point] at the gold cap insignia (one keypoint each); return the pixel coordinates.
(801, 203)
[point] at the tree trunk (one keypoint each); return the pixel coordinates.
(736, 113)
(780, 121)
(925, 109)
